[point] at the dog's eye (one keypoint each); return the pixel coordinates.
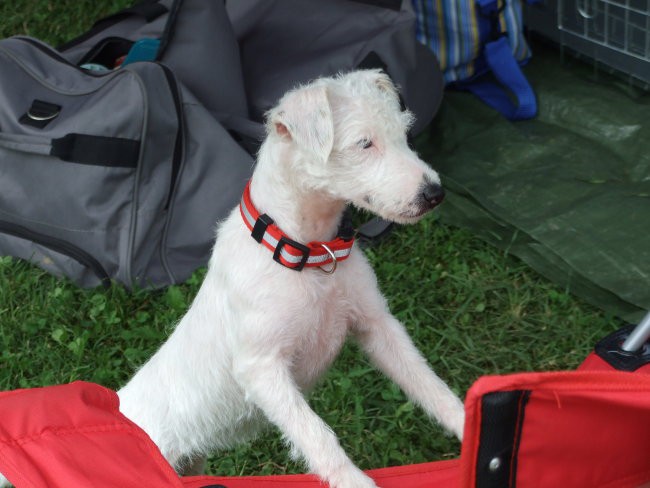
(365, 143)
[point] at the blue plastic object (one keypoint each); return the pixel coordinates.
(142, 50)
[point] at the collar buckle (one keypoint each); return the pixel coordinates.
(278, 257)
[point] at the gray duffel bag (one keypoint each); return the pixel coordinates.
(113, 176)
(121, 175)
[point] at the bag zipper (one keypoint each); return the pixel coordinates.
(60, 246)
(52, 53)
(92, 53)
(177, 160)
(178, 143)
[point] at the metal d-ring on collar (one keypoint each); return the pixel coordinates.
(334, 260)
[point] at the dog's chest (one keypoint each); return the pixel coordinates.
(323, 329)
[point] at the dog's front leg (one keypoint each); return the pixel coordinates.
(268, 383)
(391, 349)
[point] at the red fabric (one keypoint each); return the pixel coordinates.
(594, 362)
(73, 436)
(442, 474)
(580, 429)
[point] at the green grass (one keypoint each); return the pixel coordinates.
(470, 308)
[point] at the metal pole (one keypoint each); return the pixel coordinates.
(639, 336)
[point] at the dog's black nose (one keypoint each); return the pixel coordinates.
(433, 194)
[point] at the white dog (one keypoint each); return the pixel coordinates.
(259, 334)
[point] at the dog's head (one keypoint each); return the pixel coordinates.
(348, 138)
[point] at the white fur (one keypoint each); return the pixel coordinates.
(258, 336)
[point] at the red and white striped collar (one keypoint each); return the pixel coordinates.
(288, 252)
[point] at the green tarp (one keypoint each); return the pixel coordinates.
(568, 192)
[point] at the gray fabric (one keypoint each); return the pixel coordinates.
(119, 216)
(202, 51)
(205, 55)
(153, 223)
(283, 42)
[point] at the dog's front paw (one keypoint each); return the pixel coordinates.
(453, 418)
(452, 415)
(350, 477)
(457, 424)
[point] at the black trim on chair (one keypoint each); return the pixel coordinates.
(502, 418)
(609, 350)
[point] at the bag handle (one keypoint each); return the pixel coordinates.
(79, 148)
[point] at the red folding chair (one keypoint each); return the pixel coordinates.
(583, 429)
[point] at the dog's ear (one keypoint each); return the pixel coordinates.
(385, 83)
(304, 116)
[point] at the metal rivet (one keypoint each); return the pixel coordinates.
(495, 464)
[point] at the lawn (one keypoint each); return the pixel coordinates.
(471, 309)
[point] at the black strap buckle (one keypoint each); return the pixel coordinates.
(302, 248)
